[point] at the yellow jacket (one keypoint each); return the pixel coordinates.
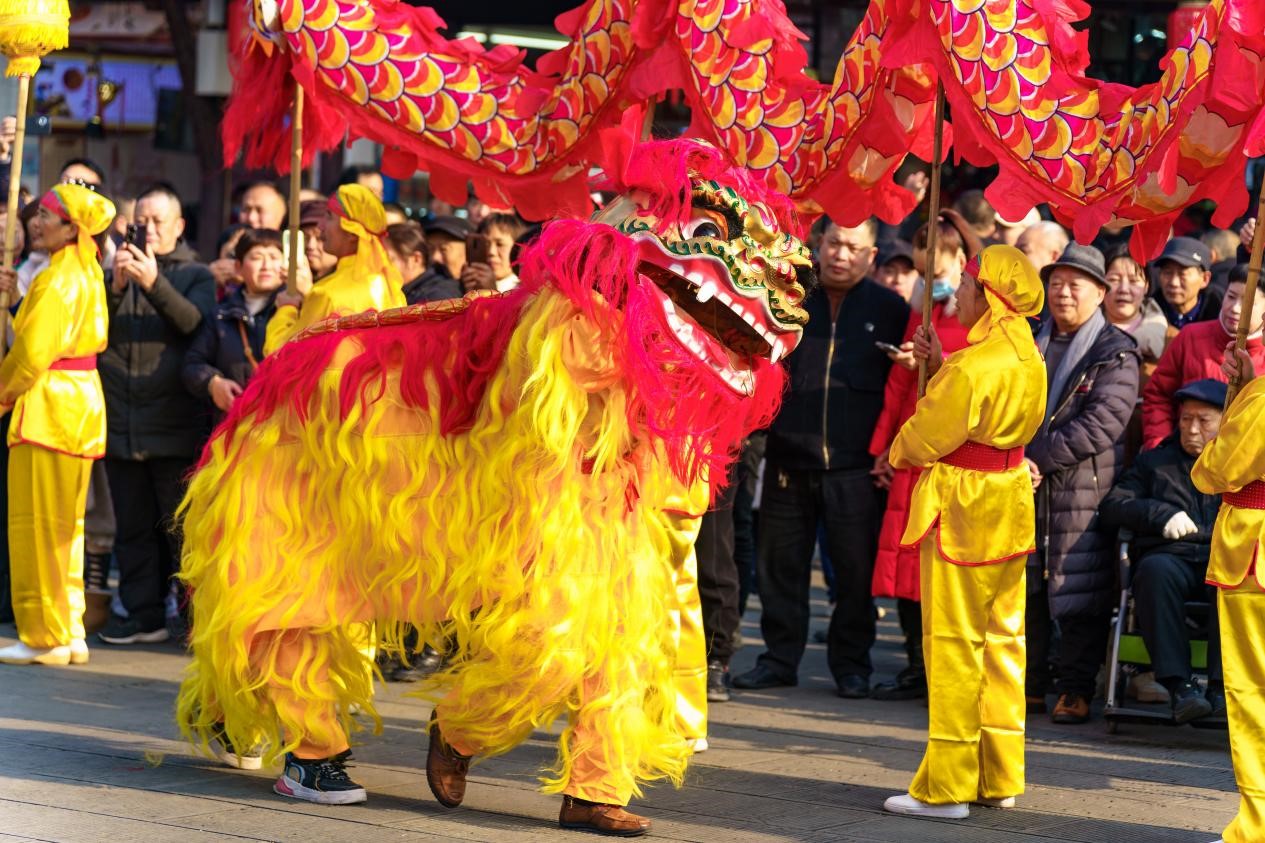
(1235, 458)
(985, 394)
(63, 316)
(340, 293)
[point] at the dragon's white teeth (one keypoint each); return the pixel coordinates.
(677, 269)
(779, 348)
(724, 298)
(706, 289)
(748, 318)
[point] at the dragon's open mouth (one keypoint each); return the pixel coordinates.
(722, 327)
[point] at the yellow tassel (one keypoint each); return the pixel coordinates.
(30, 30)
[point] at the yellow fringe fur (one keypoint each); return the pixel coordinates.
(556, 589)
(30, 30)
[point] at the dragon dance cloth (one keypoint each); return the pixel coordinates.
(505, 471)
(1013, 72)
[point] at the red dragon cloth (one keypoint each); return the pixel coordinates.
(1013, 71)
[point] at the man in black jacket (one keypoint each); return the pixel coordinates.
(818, 468)
(157, 298)
(1172, 525)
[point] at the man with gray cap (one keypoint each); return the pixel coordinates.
(446, 240)
(1184, 272)
(1074, 459)
(1172, 522)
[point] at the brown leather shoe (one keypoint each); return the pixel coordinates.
(612, 820)
(1071, 709)
(446, 769)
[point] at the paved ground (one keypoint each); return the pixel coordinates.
(90, 754)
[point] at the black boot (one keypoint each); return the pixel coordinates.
(910, 683)
(717, 681)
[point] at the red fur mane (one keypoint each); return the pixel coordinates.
(673, 398)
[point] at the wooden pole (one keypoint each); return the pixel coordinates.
(1249, 296)
(933, 229)
(15, 188)
(296, 187)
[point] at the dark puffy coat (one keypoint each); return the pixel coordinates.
(1080, 454)
(1154, 489)
(434, 284)
(149, 413)
(837, 377)
(217, 347)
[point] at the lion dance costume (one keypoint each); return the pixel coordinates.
(1233, 466)
(972, 519)
(58, 428)
(505, 470)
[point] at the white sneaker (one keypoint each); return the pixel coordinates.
(698, 745)
(1004, 802)
(19, 653)
(906, 804)
(78, 651)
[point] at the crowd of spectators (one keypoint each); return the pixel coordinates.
(1132, 350)
(1134, 356)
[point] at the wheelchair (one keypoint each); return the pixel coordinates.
(1129, 657)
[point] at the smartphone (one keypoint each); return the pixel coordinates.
(478, 248)
(136, 236)
(888, 347)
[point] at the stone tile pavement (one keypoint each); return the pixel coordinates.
(91, 754)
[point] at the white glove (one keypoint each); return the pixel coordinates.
(1179, 527)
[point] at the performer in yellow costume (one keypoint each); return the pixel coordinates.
(519, 473)
(1233, 465)
(365, 278)
(49, 381)
(972, 518)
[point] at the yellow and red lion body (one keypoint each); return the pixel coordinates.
(503, 472)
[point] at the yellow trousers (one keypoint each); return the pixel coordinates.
(691, 645)
(1242, 614)
(974, 647)
(47, 495)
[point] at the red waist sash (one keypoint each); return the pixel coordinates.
(75, 364)
(1251, 496)
(978, 457)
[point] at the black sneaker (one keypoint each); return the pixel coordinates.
(1189, 702)
(130, 631)
(717, 682)
(320, 780)
(910, 684)
(251, 759)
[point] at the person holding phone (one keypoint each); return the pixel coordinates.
(158, 293)
(489, 254)
(353, 229)
(896, 568)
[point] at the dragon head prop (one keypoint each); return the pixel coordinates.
(700, 276)
(721, 257)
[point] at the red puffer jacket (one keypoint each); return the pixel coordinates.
(896, 569)
(1196, 352)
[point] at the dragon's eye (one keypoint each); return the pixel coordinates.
(704, 224)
